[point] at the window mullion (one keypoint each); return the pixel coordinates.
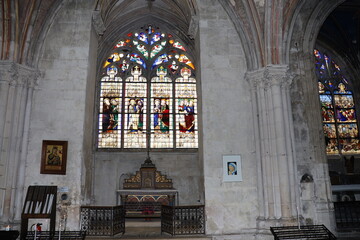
(123, 114)
(148, 110)
(175, 132)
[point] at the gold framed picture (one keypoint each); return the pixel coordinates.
(53, 157)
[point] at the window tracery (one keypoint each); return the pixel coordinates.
(148, 96)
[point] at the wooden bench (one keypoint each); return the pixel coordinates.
(319, 232)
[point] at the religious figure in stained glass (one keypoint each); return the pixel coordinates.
(186, 110)
(135, 116)
(110, 114)
(148, 68)
(337, 107)
(162, 115)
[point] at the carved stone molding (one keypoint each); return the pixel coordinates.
(278, 75)
(18, 75)
(269, 76)
(255, 78)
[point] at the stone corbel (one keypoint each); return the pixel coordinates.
(193, 26)
(98, 23)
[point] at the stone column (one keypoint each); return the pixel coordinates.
(274, 143)
(16, 90)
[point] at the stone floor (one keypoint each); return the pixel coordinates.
(150, 230)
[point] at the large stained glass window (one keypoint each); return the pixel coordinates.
(337, 107)
(148, 96)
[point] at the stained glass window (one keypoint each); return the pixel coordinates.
(148, 96)
(337, 107)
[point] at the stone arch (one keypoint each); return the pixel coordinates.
(305, 25)
(117, 20)
(247, 27)
(302, 31)
(38, 36)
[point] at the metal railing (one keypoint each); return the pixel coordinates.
(63, 235)
(102, 221)
(318, 232)
(183, 220)
(347, 215)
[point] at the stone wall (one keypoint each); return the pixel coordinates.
(112, 168)
(227, 123)
(59, 101)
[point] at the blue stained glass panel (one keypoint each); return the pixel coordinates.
(142, 37)
(156, 37)
(136, 58)
(161, 59)
(345, 115)
(326, 101)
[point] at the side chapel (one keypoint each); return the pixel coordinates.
(104, 85)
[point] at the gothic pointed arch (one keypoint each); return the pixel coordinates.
(148, 96)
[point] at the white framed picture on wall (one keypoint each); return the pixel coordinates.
(232, 168)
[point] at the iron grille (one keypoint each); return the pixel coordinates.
(183, 220)
(102, 221)
(347, 215)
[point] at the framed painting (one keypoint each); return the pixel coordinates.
(232, 168)
(53, 157)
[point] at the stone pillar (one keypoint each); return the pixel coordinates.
(16, 88)
(274, 143)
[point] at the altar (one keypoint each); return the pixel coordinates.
(165, 196)
(146, 191)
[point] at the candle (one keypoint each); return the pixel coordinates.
(8, 228)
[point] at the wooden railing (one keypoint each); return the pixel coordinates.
(102, 221)
(183, 220)
(347, 215)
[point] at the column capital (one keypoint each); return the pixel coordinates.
(269, 76)
(18, 75)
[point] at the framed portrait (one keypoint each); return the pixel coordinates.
(53, 157)
(232, 168)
